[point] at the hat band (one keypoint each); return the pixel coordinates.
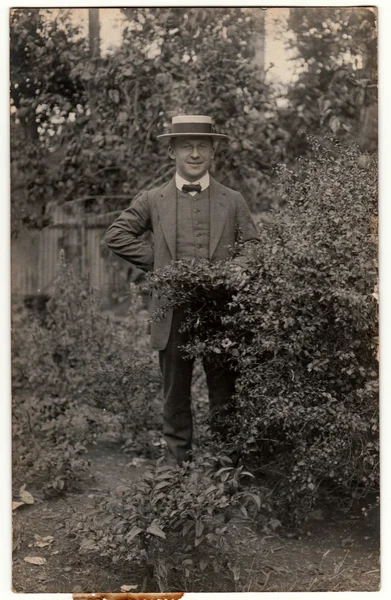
(192, 128)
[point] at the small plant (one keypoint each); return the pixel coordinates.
(129, 388)
(173, 521)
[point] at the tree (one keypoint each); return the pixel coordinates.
(336, 83)
(43, 95)
(170, 60)
(175, 60)
(94, 47)
(44, 47)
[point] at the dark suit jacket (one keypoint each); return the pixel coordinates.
(155, 210)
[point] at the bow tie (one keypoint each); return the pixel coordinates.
(191, 187)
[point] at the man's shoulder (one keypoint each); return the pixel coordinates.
(149, 194)
(223, 188)
(159, 190)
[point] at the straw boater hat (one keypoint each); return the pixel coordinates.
(192, 125)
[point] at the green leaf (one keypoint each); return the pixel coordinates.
(199, 528)
(210, 489)
(224, 469)
(155, 530)
(162, 485)
(187, 527)
(133, 533)
(203, 564)
(247, 473)
(88, 544)
(256, 499)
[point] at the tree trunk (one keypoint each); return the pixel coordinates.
(94, 32)
(259, 45)
(94, 39)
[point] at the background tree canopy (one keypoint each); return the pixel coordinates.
(84, 125)
(336, 88)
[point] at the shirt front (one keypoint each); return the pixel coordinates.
(204, 182)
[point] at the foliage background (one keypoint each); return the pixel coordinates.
(84, 124)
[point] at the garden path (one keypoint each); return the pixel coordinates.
(331, 552)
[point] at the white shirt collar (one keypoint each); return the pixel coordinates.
(204, 182)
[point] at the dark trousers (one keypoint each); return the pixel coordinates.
(177, 373)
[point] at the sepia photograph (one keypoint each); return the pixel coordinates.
(194, 299)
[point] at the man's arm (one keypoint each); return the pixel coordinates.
(245, 225)
(124, 236)
(245, 228)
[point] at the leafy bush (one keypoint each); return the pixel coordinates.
(131, 391)
(173, 521)
(300, 324)
(77, 376)
(53, 467)
(74, 335)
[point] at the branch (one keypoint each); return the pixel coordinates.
(149, 131)
(135, 100)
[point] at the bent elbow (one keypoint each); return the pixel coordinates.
(110, 237)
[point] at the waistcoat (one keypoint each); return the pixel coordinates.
(193, 225)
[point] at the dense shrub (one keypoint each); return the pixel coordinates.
(74, 334)
(79, 376)
(300, 324)
(130, 392)
(53, 467)
(173, 522)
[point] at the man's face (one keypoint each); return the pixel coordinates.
(192, 156)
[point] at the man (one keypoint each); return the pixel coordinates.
(192, 216)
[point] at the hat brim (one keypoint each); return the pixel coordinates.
(220, 136)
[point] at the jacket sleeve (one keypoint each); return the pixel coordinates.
(245, 226)
(124, 236)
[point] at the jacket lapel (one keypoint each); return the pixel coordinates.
(218, 214)
(167, 212)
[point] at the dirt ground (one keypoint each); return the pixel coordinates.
(331, 552)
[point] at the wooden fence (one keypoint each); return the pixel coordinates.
(35, 253)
